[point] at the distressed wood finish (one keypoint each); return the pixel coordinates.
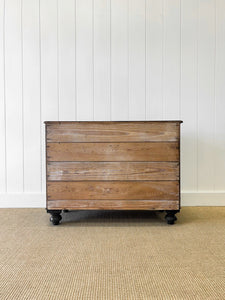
(113, 131)
(113, 165)
(113, 190)
(113, 151)
(84, 171)
(114, 205)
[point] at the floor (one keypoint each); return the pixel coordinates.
(112, 255)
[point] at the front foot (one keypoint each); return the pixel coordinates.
(170, 216)
(55, 216)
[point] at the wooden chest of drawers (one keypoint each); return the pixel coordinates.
(117, 165)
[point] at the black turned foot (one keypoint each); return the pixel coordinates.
(65, 210)
(170, 216)
(55, 216)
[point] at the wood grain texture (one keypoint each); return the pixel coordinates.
(113, 131)
(114, 205)
(113, 151)
(113, 190)
(78, 171)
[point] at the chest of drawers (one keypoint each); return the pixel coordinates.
(129, 165)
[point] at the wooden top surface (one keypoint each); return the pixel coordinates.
(176, 121)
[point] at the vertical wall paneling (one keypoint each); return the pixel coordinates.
(66, 59)
(49, 59)
(13, 94)
(119, 60)
(219, 141)
(171, 84)
(189, 28)
(101, 32)
(2, 100)
(49, 68)
(136, 38)
(84, 59)
(154, 51)
(31, 95)
(206, 52)
(112, 60)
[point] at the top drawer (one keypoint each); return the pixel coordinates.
(155, 131)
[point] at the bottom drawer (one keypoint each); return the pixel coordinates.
(113, 190)
(114, 204)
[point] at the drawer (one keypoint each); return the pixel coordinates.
(113, 190)
(145, 151)
(114, 205)
(112, 131)
(83, 171)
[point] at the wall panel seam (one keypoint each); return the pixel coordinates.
(197, 94)
(75, 57)
(128, 57)
(41, 125)
(145, 62)
(163, 59)
(110, 60)
(93, 60)
(180, 61)
(57, 34)
(214, 96)
(22, 91)
(4, 95)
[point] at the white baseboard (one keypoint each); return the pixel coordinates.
(38, 199)
(22, 200)
(203, 199)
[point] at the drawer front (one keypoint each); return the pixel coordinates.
(84, 171)
(112, 131)
(112, 204)
(111, 190)
(167, 151)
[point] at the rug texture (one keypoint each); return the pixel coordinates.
(112, 255)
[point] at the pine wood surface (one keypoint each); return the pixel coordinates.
(112, 131)
(166, 151)
(114, 205)
(113, 165)
(160, 190)
(83, 171)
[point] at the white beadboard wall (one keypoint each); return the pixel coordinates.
(111, 60)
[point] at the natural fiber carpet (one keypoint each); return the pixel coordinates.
(112, 255)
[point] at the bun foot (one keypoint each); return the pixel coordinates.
(55, 216)
(170, 216)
